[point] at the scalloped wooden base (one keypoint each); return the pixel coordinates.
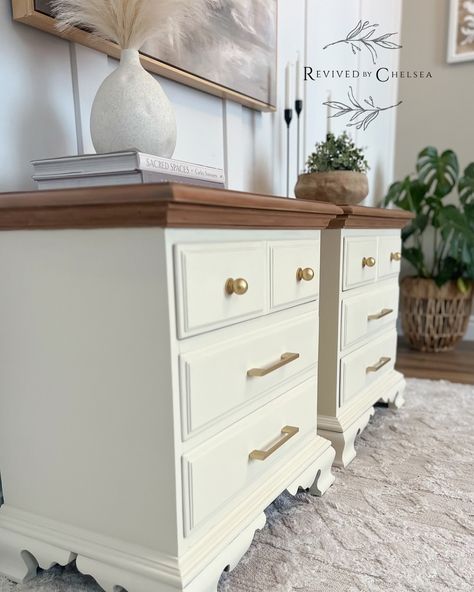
(28, 541)
(343, 430)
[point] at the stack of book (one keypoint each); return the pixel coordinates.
(121, 168)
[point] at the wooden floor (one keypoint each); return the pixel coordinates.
(455, 366)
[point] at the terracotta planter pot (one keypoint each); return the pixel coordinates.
(338, 187)
(434, 319)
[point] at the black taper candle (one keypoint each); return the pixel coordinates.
(299, 111)
(288, 118)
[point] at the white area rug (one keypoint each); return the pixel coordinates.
(399, 518)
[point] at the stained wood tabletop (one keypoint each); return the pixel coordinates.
(163, 205)
(365, 217)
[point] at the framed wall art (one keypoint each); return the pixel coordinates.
(233, 53)
(461, 31)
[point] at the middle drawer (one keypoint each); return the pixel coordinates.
(367, 313)
(216, 380)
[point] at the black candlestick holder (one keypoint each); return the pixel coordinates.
(288, 119)
(299, 111)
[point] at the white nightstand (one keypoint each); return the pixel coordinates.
(159, 351)
(360, 264)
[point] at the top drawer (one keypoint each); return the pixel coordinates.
(360, 261)
(390, 256)
(219, 284)
(295, 272)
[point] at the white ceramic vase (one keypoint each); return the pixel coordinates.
(131, 111)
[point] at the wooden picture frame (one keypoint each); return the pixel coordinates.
(461, 19)
(25, 11)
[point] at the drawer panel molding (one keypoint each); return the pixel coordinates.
(360, 261)
(218, 380)
(219, 284)
(366, 314)
(222, 468)
(366, 365)
(390, 256)
(295, 269)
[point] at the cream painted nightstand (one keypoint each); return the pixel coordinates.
(360, 264)
(159, 351)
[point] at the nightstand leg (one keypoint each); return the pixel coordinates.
(344, 442)
(397, 399)
(324, 478)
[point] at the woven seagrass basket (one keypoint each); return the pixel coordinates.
(434, 319)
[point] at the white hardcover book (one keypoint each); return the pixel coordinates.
(122, 162)
(133, 178)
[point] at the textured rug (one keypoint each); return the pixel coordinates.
(399, 518)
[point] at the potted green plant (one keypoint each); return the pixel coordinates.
(335, 172)
(439, 245)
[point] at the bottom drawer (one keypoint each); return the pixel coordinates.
(236, 459)
(366, 365)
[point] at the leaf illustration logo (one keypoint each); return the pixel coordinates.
(361, 116)
(362, 37)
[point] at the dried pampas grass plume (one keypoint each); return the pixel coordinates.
(129, 23)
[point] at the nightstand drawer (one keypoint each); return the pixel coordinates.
(366, 365)
(217, 380)
(219, 284)
(238, 459)
(365, 314)
(295, 272)
(360, 261)
(390, 255)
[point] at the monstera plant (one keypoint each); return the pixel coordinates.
(439, 245)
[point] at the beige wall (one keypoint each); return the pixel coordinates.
(437, 111)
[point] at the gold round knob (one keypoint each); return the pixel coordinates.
(238, 286)
(395, 257)
(368, 262)
(306, 274)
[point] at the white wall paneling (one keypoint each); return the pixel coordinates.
(89, 68)
(48, 87)
(329, 22)
(232, 135)
(200, 119)
(379, 138)
(291, 39)
(36, 100)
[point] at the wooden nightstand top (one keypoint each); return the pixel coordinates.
(161, 205)
(363, 217)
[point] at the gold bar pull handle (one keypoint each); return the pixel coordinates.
(380, 315)
(378, 366)
(287, 432)
(283, 361)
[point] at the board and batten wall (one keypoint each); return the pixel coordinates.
(48, 85)
(440, 110)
